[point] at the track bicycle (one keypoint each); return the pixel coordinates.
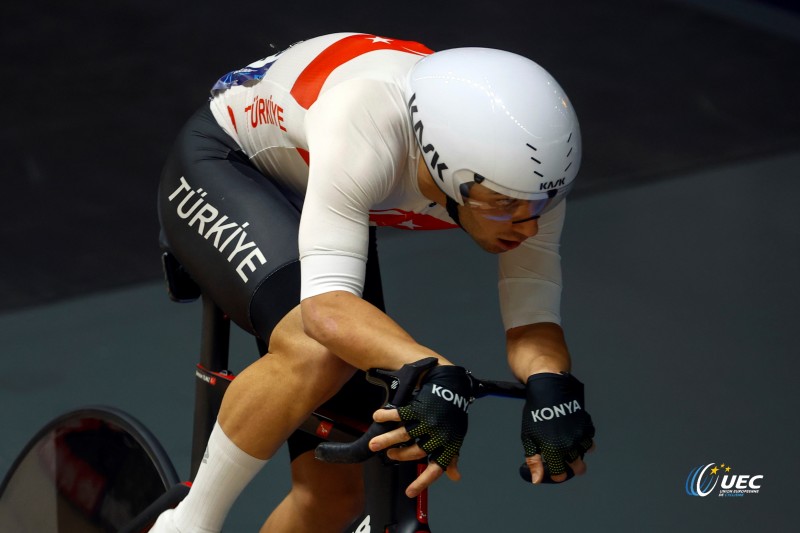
(98, 469)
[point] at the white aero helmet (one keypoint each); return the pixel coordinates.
(496, 118)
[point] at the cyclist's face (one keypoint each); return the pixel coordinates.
(498, 223)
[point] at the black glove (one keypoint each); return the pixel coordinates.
(555, 423)
(437, 416)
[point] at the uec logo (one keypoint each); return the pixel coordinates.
(698, 484)
(702, 481)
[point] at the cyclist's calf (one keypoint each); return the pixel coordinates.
(323, 498)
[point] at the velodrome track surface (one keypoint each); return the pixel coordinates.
(679, 305)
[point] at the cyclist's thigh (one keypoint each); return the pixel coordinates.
(233, 230)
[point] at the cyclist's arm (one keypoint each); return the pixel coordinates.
(537, 348)
(359, 142)
(353, 167)
(530, 300)
(529, 283)
(359, 332)
(530, 294)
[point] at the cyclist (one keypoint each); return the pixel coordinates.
(294, 161)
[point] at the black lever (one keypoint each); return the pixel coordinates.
(399, 386)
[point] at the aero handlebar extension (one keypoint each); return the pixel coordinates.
(399, 386)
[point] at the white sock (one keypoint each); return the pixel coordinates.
(224, 473)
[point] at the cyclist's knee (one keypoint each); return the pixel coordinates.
(289, 337)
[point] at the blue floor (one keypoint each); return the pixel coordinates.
(680, 308)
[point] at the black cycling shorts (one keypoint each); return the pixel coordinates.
(235, 231)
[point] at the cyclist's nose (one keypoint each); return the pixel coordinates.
(529, 228)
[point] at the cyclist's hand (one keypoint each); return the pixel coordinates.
(410, 453)
(436, 418)
(556, 429)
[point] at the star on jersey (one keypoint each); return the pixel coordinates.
(408, 224)
(375, 39)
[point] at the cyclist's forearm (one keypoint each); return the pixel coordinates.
(360, 333)
(537, 348)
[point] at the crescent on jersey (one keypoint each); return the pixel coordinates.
(328, 119)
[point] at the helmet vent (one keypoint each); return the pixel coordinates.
(534, 149)
(569, 139)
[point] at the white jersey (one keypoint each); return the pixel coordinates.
(328, 119)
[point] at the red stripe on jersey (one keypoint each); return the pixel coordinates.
(233, 119)
(308, 85)
(398, 218)
(304, 154)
